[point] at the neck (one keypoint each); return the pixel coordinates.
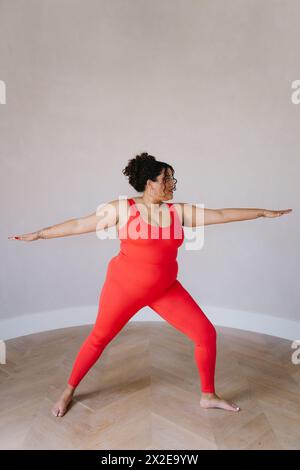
(148, 200)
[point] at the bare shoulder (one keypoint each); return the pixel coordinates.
(188, 213)
(112, 209)
(122, 207)
(178, 206)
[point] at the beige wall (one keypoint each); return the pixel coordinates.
(204, 85)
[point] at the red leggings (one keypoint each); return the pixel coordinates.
(174, 304)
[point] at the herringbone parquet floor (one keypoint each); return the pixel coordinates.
(144, 391)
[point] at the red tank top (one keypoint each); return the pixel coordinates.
(147, 243)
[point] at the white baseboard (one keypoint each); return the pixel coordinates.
(52, 320)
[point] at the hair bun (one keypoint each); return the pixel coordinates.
(137, 164)
(144, 157)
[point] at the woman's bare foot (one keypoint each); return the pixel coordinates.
(61, 406)
(211, 400)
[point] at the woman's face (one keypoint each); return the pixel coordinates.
(165, 185)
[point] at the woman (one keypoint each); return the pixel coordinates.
(145, 270)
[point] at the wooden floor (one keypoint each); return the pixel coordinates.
(143, 392)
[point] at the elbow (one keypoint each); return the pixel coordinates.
(221, 215)
(216, 217)
(79, 226)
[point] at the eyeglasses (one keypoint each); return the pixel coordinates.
(171, 179)
(174, 180)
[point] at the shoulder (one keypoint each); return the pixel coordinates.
(122, 207)
(119, 204)
(115, 208)
(178, 206)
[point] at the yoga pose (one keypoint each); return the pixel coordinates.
(144, 272)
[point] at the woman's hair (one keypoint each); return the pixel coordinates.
(144, 167)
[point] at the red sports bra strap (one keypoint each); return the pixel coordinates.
(131, 201)
(170, 204)
(171, 209)
(133, 208)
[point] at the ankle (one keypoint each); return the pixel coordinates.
(70, 390)
(208, 395)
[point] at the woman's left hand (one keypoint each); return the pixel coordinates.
(267, 213)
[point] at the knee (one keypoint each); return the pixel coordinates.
(98, 339)
(207, 335)
(213, 333)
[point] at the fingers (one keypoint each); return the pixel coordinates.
(24, 238)
(277, 213)
(28, 237)
(286, 211)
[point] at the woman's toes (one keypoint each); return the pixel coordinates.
(55, 410)
(227, 406)
(59, 410)
(235, 407)
(230, 407)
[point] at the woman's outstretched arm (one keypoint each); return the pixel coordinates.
(236, 215)
(105, 216)
(194, 216)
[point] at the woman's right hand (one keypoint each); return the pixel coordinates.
(26, 237)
